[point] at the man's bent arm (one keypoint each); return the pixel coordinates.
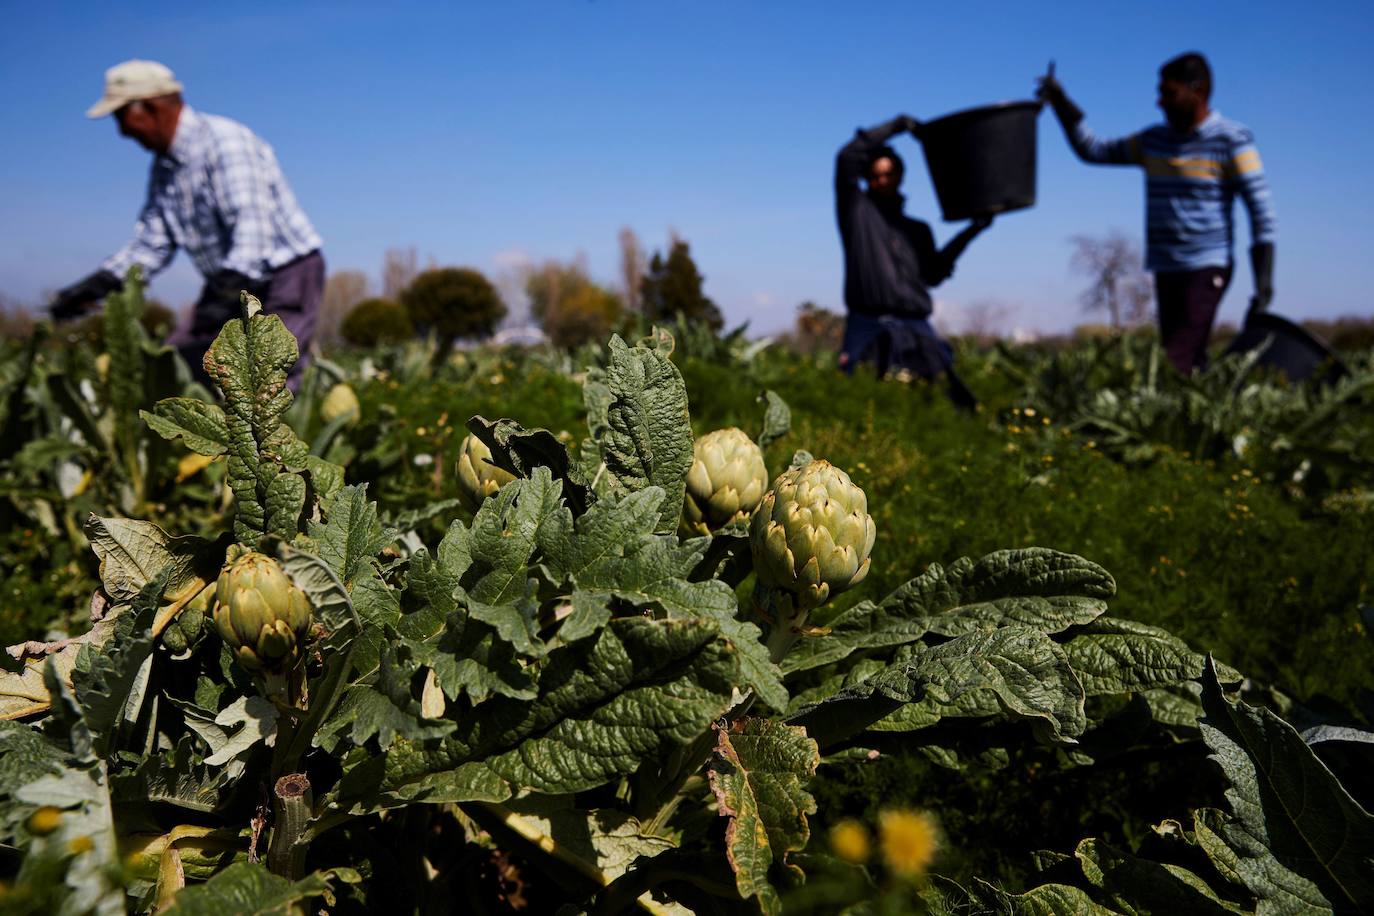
(852, 161)
(1087, 145)
(151, 247)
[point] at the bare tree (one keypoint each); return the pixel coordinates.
(1118, 284)
(400, 267)
(632, 266)
(342, 291)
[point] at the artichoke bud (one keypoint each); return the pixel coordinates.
(812, 534)
(726, 483)
(261, 616)
(478, 478)
(186, 631)
(338, 402)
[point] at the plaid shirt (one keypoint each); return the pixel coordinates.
(218, 193)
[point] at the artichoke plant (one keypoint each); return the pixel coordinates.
(812, 535)
(478, 478)
(726, 482)
(340, 401)
(261, 616)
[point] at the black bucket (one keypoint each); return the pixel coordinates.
(1292, 349)
(982, 161)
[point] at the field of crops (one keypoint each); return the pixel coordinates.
(495, 636)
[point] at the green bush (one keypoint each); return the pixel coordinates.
(453, 302)
(377, 321)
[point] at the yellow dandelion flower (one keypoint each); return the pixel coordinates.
(908, 840)
(849, 841)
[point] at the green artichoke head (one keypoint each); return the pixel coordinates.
(261, 616)
(340, 401)
(727, 481)
(478, 478)
(812, 534)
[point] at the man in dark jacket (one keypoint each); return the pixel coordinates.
(890, 263)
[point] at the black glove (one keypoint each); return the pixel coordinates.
(79, 298)
(1262, 263)
(910, 125)
(225, 285)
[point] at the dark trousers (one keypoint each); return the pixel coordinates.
(1188, 301)
(293, 292)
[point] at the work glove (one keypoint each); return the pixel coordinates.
(226, 285)
(910, 125)
(1262, 263)
(1050, 90)
(79, 298)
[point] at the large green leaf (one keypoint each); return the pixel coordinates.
(1111, 655)
(604, 706)
(1139, 886)
(1021, 669)
(249, 361)
(252, 890)
(1033, 587)
(519, 451)
(1302, 844)
(109, 681)
(198, 424)
(133, 552)
(647, 436)
(124, 339)
(759, 775)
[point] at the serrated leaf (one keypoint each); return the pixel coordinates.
(759, 777)
(198, 424)
(124, 339)
(351, 535)
(105, 678)
(647, 439)
(1302, 843)
(25, 756)
(604, 706)
(176, 777)
(387, 708)
(1021, 669)
(504, 535)
(249, 361)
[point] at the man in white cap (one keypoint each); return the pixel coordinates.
(215, 190)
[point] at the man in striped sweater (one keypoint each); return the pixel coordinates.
(1195, 165)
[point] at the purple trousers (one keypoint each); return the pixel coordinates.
(293, 292)
(1188, 301)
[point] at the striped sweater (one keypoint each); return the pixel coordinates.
(1191, 181)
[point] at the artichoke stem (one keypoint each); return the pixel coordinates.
(292, 804)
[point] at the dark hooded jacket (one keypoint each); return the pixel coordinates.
(890, 260)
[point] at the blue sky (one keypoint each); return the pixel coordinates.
(488, 133)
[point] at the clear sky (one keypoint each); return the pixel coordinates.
(486, 133)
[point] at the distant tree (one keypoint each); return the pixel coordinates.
(453, 302)
(342, 291)
(672, 286)
(571, 307)
(376, 321)
(400, 267)
(1118, 284)
(815, 330)
(632, 264)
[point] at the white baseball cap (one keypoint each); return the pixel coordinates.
(132, 81)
